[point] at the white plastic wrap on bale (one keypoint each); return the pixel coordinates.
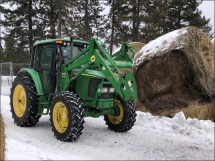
(159, 45)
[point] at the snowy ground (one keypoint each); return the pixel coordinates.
(151, 137)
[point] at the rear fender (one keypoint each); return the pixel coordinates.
(36, 78)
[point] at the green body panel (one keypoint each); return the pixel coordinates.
(64, 79)
(89, 112)
(92, 73)
(100, 103)
(81, 87)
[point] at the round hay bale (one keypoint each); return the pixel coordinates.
(212, 41)
(137, 46)
(175, 72)
(2, 139)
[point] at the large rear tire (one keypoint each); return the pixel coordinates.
(24, 101)
(126, 119)
(66, 116)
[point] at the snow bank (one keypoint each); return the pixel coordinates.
(178, 125)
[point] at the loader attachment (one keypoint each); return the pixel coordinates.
(124, 85)
(130, 86)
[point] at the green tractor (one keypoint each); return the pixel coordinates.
(72, 79)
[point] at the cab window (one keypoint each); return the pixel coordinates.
(43, 57)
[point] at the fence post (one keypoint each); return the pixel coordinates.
(1, 69)
(11, 74)
(0, 81)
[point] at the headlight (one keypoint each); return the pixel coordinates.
(85, 45)
(64, 43)
(104, 90)
(68, 43)
(111, 90)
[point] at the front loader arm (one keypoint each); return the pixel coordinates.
(126, 87)
(123, 54)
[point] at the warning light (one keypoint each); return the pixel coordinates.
(59, 42)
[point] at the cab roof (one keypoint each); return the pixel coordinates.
(53, 40)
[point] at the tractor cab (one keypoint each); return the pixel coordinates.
(47, 55)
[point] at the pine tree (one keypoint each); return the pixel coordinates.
(87, 19)
(185, 13)
(117, 24)
(22, 27)
(164, 16)
(48, 17)
(1, 53)
(155, 20)
(14, 53)
(135, 13)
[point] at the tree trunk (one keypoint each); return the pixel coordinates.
(134, 22)
(59, 23)
(86, 22)
(138, 19)
(179, 16)
(136, 10)
(52, 30)
(112, 29)
(30, 38)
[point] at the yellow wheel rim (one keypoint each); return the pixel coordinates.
(60, 117)
(116, 119)
(19, 100)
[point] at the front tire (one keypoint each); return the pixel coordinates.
(24, 101)
(126, 119)
(66, 116)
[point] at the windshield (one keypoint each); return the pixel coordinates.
(66, 51)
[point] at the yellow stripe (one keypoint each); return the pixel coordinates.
(87, 75)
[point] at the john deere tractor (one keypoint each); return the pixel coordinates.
(71, 79)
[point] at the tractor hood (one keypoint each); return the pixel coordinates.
(90, 73)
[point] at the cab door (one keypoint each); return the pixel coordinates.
(44, 64)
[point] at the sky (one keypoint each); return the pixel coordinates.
(207, 8)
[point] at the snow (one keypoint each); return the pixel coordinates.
(152, 137)
(162, 43)
(6, 81)
(116, 50)
(213, 40)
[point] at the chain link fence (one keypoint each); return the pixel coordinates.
(8, 71)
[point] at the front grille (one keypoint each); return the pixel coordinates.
(93, 84)
(106, 95)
